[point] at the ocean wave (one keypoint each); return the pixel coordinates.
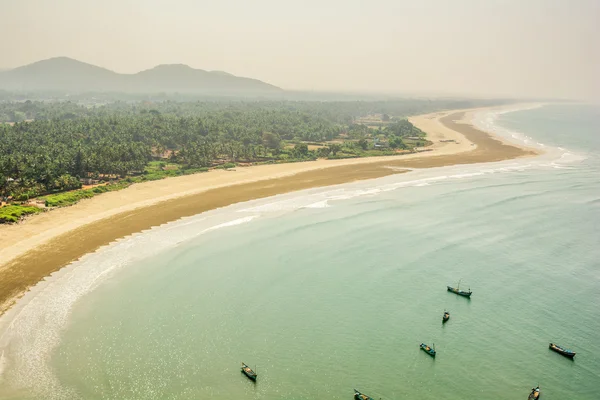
(55, 297)
(327, 197)
(319, 204)
(554, 157)
(322, 199)
(32, 329)
(467, 175)
(512, 199)
(40, 317)
(230, 223)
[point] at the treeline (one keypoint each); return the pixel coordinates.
(65, 142)
(46, 155)
(335, 111)
(29, 110)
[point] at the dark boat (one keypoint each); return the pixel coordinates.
(248, 372)
(535, 393)
(428, 349)
(446, 316)
(359, 396)
(562, 350)
(460, 292)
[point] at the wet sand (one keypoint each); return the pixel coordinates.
(44, 244)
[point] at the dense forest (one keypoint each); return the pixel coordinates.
(51, 147)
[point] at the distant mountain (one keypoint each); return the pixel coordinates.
(68, 75)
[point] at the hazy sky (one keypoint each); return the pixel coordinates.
(488, 47)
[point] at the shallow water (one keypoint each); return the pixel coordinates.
(331, 289)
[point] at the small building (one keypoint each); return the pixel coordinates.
(89, 181)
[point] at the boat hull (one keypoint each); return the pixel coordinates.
(459, 292)
(427, 349)
(535, 394)
(360, 396)
(248, 372)
(250, 376)
(561, 351)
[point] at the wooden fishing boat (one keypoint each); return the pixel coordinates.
(428, 350)
(360, 396)
(562, 350)
(535, 393)
(446, 316)
(246, 370)
(460, 292)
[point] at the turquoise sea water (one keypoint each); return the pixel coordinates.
(324, 293)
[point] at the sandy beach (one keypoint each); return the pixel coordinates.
(33, 249)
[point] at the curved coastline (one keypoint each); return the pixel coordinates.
(46, 243)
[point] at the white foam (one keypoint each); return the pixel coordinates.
(487, 120)
(319, 204)
(484, 120)
(41, 315)
(468, 175)
(235, 222)
(32, 329)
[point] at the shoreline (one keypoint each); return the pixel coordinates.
(45, 243)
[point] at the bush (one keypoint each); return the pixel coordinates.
(194, 170)
(323, 152)
(12, 213)
(66, 182)
(70, 198)
(341, 156)
(24, 196)
(227, 165)
(26, 193)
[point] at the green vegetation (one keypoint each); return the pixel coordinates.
(12, 212)
(156, 170)
(152, 172)
(30, 110)
(227, 165)
(64, 144)
(67, 143)
(70, 198)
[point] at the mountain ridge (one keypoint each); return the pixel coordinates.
(70, 75)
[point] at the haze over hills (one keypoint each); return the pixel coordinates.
(69, 75)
